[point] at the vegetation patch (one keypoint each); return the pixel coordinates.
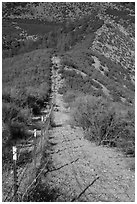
(116, 79)
(26, 88)
(106, 122)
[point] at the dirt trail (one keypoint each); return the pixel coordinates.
(78, 162)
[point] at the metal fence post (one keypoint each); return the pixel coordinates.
(14, 149)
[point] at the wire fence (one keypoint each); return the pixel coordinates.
(26, 161)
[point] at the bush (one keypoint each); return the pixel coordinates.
(106, 122)
(37, 96)
(17, 130)
(69, 63)
(9, 112)
(70, 96)
(15, 120)
(6, 149)
(14, 128)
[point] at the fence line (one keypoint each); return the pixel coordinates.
(9, 193)
(35, 179)
(38, 142)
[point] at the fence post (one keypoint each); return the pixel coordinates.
(34, 152)
(14, 149)
(42, 132)
(42, 118)
(51, 115)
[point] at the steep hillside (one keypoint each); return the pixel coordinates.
(106, 54)
(104, 76)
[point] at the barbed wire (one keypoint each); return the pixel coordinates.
(35, 179)
(22, 175)
(20, 146)
(9, 192)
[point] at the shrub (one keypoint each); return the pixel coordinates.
(17, 130)
(70, 96)
(9, 112)
(37, 96)
(106, 122)
(69, 63)
(14, 128)
(15, 120)
(6, 148)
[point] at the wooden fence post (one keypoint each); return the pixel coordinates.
(14, 149)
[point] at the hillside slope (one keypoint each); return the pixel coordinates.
(105, 52)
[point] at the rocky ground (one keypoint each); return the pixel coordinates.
(82, 171)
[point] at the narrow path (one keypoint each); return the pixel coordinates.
(76, 162)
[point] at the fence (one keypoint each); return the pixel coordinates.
(25, 168)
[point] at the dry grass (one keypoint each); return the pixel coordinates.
(106, 122)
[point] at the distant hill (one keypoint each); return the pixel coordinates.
(62, 11)
(32, 21)
(97, 38)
